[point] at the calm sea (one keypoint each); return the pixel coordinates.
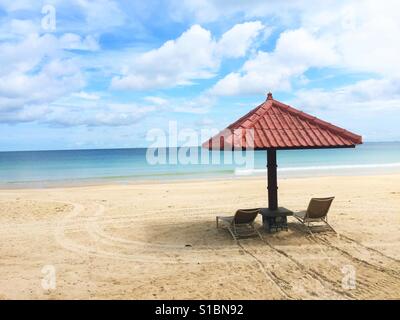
(46, 168)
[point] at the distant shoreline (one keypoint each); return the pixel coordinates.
(37, 185)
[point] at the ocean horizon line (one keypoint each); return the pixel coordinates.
(129, 148)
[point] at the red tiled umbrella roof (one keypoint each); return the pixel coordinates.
(277, 125)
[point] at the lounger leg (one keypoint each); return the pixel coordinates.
(330, 227)
(305, 225)
(232, 233)
(259, 234)
(256, 231)
(216, 218)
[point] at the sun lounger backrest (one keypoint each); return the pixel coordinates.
(245, 215)
(319, 207)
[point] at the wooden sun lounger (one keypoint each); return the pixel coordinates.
(241, 225)
(317, 211)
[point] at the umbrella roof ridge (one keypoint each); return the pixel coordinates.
(280, 126)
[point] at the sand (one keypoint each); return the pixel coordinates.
(159, 241)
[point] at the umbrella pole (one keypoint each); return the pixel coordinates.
(272, 180)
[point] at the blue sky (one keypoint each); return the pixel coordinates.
(101, 74)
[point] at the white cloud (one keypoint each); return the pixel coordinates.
(235, 42)
(22, 56)
(102, 113)
(28, 113)
(85, 16)
(300, 47)
(175, 63)
(296, 51)
(76, 42)
(54, 80)
(34, 73)
(86, 96)
(81, 109)
(106, 115)
(367, 107)
(366, 36)
(194, 55)
(36, 68)
(199, 105)
(363, 96)
(215, 10)
(156, 100)
(99, 14)
(18, 27)
(354, 36)
(16, 5)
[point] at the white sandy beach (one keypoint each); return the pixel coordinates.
(159, 241)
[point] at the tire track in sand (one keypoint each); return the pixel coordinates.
(370, 278)
(72, 221)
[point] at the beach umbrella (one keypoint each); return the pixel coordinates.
(274, 126)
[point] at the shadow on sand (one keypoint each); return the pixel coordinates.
(200, 233)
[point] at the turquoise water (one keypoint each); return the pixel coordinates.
(42, 168)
